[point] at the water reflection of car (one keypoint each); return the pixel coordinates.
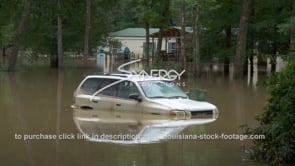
(136, 93)
(129, 128)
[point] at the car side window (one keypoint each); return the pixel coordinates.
(110, 91)
(91, 85)
(126, 88)
(106, 82)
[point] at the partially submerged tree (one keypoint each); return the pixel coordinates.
(265, 28)
(87, 29)
(14, 34)
(196, 39)
(163, 9)
(148, 16)
(242, 39)
(58, 26)
(182, 56)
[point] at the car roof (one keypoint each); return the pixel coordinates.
(127, 77)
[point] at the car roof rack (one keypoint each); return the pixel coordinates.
(118, 73)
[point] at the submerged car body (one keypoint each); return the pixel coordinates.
(136, 93)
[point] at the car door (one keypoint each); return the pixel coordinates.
(104, 99)
(123, 102)
(85, 91)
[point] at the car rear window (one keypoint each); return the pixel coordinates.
(91, 85)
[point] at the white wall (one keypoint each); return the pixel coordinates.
(135, 44)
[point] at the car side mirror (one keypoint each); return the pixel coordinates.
(135, 96)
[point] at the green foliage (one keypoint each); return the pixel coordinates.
(277, 123)
(216, 16)
(269, 26)
(40, 35)
(10, 12)
(123, 14)
(266, 28)
(6, 33)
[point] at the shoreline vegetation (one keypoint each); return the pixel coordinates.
(277, 122)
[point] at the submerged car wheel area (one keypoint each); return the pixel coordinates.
(139, 94)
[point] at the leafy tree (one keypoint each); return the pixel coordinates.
(147, 15)
(42, 31)
(278, 121)
(87, 28)
(242, 39)
(15, 22)
(219, 20)
(125, 14)
(265, 24)
(197, 13)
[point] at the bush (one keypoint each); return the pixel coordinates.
(277, 123)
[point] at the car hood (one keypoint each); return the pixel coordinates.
(185, 104)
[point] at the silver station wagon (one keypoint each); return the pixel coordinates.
(139, 94)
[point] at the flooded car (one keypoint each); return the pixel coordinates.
(137, 93)
(129, 128)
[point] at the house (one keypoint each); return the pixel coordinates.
(134, 39)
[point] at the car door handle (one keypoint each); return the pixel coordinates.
(118, 104)
(95, 100)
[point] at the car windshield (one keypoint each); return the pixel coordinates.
(161, 89)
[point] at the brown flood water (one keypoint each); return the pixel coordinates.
(37, 101)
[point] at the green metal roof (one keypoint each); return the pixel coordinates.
(132, 32)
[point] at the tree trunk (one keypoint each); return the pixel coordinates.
(272, 66)
(153, 52)
(292, 34)
(147, 43)
(196, 40)
(53, 60)
(226, 61)
(59, 37)
(159, 44)
(228, 43)
(164, 14)
(250, 58)
(20, 29)
(245, 67)
(242, 40)
(2, 56)
(87, 29)
(59, 42)
(275, 52)
(147, 32)
(251, 66)
(182, 58)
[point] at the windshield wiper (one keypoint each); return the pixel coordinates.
(172, 97)
(158, 97)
